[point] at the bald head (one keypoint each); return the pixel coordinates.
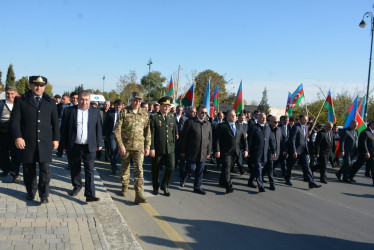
(328, 126)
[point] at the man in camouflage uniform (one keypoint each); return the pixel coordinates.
(163, 136)
(133, 136)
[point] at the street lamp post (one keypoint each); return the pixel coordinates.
(149, 79)
(362, 25)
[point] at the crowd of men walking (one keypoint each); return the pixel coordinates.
(34, 124)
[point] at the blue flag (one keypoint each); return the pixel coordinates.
(207, 96)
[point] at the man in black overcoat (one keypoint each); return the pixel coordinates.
(35, 129)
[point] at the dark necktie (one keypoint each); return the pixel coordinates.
(37, 101)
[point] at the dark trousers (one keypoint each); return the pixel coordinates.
(322, 161)
(114, 154)
(8, 148)
(269, 170)
(239, 161)
(107, 149)
(169, 161)
(180, 161)
(283, 162)
(256, 173)
(227, 162)
(29, 178)
(198, 168)
(347, 166)
(77, 154)
(304, 162)
(358, 164)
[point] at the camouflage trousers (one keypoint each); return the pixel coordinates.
(137, 158)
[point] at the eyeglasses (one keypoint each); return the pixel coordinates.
(203, 113)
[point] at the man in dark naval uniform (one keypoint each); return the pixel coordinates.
(163, 136)
(35, 130)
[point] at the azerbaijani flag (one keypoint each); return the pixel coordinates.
(188, 99)
(361, 124)
(213, 101)
(288, 103)
(171, 88)
(207, 96)
(361, 108)
(329, 104)
(179, 98)
(296, 97)
(351, 113)
(239, 104)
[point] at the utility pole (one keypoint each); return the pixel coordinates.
(179, 71)
(149, 79)
(103, 83)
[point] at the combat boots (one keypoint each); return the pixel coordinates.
(139, 198)
(124, 190)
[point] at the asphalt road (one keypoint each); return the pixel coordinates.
(336, 216)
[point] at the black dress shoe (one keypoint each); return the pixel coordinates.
(272, 187)
(43, 200)
(353, 180)
(181, 183)
(92, 198)
(314, 185)
(74, 192)
(166, 192)
(339, 176)
(30, 197)
(346, 180)
(323, 181)
(155, 191)
(289, 183)
(229, 190)
(251, 185)
(261, 189)
(242, 172)
(199, 191)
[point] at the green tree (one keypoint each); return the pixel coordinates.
(10, 76)
(1, 73)
(155, 83)
(263, 106)
(49, 89)
(78, 88)
(22, 85)
(201, 81)
(128, 84)
(112, 95)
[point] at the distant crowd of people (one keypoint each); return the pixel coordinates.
(33, 125)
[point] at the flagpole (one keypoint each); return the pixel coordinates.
(179, 71)
(306, 106)
(315, 120)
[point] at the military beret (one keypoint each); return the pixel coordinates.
(38, 80)
(137, 95)
(10, 88)
(167, 100)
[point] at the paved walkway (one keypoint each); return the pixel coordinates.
(65, 222)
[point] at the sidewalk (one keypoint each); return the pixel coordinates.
(65, 222)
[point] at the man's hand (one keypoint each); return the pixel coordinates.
(183, 154)
(342, 153)
(294, 155)
(317, 156)
(152, 153)
(146, 152)
(20, 143)
(208, 156)
(177, 137)
(122, 150)
(55, 144)
(99, 148)
(245, 154)
(274, 155)
(367, 155)
(217, 154)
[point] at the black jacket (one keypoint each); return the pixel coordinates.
(69, 128)
(348, 141)
(38, 126)
(196, 140)
(298, 142)
(323, 143)
(276, 140)
(226, 143)
(259, 143)
(366, 143)
(108, 124)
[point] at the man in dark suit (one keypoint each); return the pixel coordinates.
(196, 146)
(81, 137)
(276, 140)
(259, 145)
(229, 142)
(298, 149)
(110, 121)
(35, 129)
(365, 152)
(348, 149)
(322, 149)
(163, 136)
(283, 125)
(180, 120)
(10, 165)
(240, 160)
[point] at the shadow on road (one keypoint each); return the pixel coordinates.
(208, 234)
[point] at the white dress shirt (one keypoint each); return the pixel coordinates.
(82, 126)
